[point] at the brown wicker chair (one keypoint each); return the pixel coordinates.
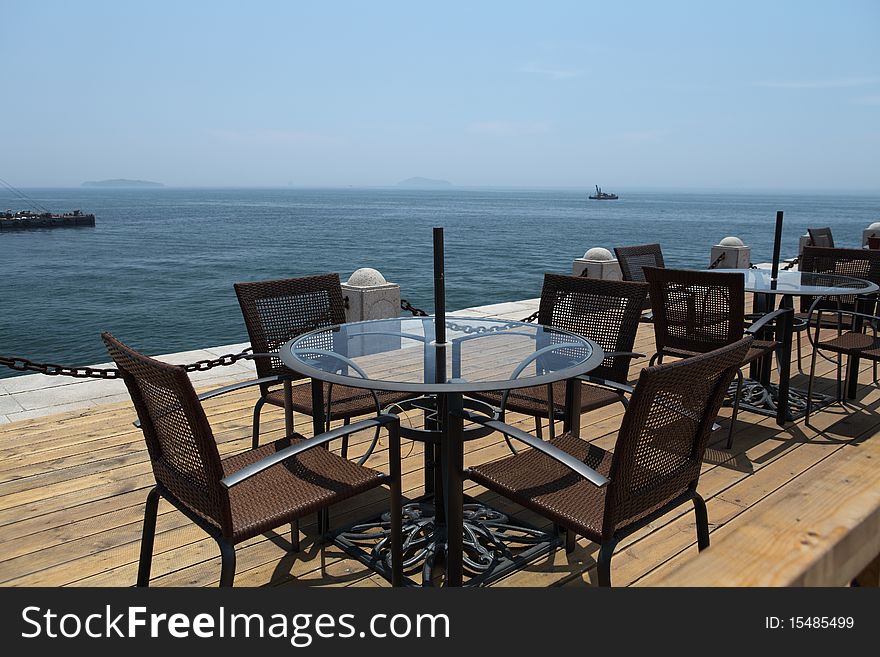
(857, 263)
(247, 494)
(654, 468)
(821, 237)
(278, 311)
(859, 340)
(633, 260)
(696, 312)
(604, 311)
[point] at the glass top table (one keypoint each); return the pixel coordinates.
(479, 354)
(789, 284)
(802, 283)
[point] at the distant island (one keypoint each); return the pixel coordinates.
(121, 182)
(424, 182)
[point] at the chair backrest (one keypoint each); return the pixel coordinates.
(605, 311)
(664, 432)
(695, 310)
(633, 260)
(179, 439)
(278, 311)
(821, 237)
(857, 263)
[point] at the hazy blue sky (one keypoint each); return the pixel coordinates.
(631, 94)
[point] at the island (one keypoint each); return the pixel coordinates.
(121, 182)
(424, 182)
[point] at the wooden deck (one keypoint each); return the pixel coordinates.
(72, 489)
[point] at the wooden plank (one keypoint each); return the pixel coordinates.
(822, 530)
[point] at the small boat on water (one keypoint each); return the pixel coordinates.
(602, 196)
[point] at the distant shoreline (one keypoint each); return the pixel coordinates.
(121, 183)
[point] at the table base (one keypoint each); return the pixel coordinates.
(494, 544)
(755, 397)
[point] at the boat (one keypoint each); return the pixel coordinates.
(602, 196)
(40, 216)
(24, 219)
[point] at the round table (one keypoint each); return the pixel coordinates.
(790, 284)
(479, 354)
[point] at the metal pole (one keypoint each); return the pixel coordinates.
(439, 289)
(777, 243)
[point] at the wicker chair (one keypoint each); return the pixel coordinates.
(696, 312)
(278, 311)
(821, 237)
(247, 494)
(654, 468)
(633, 260)
(859, 340)
(604, 311)
(857, 263)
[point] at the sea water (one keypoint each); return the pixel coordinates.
(157, 269)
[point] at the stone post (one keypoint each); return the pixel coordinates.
(871, 231)
(730, 253)
(370, 296)
(802, 242)
(597, 263)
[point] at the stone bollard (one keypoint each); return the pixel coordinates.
(871, 231)
(804, 241)
(597, 263)
(730, 253)
(370, 296)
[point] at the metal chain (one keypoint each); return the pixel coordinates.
(531, 318)
(479, 329)
(717, 260)
(791, 264)
(416, 312)
(53, 369)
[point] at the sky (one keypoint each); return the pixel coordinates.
(727, 94)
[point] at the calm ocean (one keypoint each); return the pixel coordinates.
(157, 269)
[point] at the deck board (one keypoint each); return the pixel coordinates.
(72, 489)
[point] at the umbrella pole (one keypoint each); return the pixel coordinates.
(777, 243)
(439, 306)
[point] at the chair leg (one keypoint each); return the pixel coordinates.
(570, 541)
(799, 365)
(345, 423)
(702, 517)
(739, 386)
(149, 533)
(227, 560)
(396, 491)
(809, 407)
(604, 563)
(323, 522)
(539, 432)
(257, 408)
(294, 535)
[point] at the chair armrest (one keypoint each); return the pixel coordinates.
(566, 459)
(851, 313)
(321, 439)
(614, 385)
(276, 378)
(766, 319)
(231, 388)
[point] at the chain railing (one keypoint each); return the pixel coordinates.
(53, 369)
(717, 261)
(416, 312)
(531, 318)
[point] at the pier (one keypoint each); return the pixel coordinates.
(787, 505)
